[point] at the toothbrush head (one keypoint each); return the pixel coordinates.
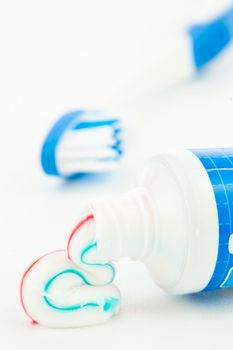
(82, 142)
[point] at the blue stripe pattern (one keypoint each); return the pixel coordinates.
(219, 166)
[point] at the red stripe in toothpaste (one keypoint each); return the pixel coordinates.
(76, 229)
(79, 225)
(23, 280)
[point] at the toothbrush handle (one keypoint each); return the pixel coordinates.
(210, 39)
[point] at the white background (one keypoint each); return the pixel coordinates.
(59, 55)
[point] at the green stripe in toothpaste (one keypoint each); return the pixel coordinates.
(109, 304)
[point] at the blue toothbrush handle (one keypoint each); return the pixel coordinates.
(210, 39)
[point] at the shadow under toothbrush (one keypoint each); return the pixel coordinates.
(84, 180)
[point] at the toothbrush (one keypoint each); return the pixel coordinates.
(187, 55)
(82, 142)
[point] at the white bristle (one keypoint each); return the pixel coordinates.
(88, 149)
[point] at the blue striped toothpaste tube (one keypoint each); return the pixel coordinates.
(82, 142)
(178, 222)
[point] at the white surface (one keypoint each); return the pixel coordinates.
(57, 55)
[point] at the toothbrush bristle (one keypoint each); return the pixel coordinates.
(89, 143)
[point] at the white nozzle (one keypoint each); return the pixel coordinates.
(124, 227)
